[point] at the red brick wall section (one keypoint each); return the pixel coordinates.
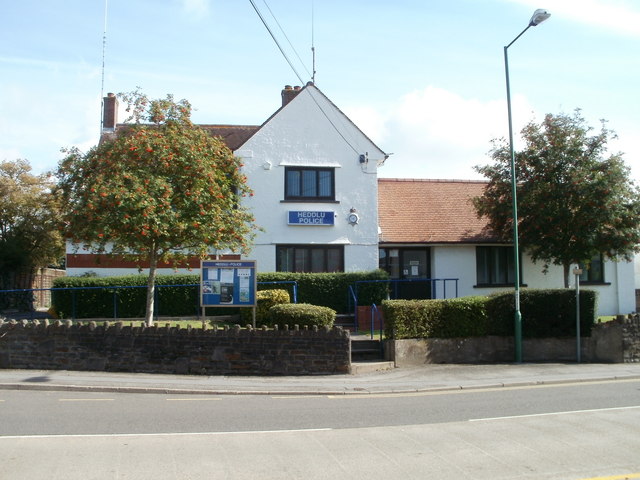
(93, 260)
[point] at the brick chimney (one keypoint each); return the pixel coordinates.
(110, 112)
(289, 93)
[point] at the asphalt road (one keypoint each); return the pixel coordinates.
(74, 413)
(579, 431)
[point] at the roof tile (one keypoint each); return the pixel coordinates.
(431, 211)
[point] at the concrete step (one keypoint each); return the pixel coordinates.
(369, 367)
(363, 348)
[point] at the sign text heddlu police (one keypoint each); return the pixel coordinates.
(304, 217)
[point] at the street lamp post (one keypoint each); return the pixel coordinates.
(538, 17)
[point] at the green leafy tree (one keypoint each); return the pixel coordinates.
(160, 191)
(575, 200)
(29, 235)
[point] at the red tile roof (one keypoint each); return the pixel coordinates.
(234, 136)
(430, 211)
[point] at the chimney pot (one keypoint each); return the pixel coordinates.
(289, 93)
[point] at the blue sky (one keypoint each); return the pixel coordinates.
(424, 79)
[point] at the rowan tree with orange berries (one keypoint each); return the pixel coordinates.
(575, 199)
(160, 190)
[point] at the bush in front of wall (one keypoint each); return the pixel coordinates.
(462, 317)
(411, 318)
(302, 314)
(124, 296)
(332, 289)
(451, 318)
(545, 312)
(265, 299)
(99, 297)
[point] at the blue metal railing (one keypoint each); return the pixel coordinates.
(393, 291)
(114, 289)
(352, 302)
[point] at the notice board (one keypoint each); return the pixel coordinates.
(225, 283)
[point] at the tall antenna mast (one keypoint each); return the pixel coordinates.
(104, 50)
(313, 44)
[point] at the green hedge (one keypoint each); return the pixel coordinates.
(265, 299)
(98, 295)
(302, 314)
(332, 289)
(458, 317)
(545, 313)
(323, 289)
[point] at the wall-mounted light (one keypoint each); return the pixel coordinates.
(364, 157)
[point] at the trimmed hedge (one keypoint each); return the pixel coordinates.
(332, 289)
(302, 314)
(545, 313)
(265, 300)
(97, 298)
(458, 317)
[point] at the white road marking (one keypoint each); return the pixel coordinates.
(86, 399)
(554, 413)
(176, 434)
(192, 399)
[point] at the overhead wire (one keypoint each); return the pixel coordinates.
(285, 36)
(264, 22)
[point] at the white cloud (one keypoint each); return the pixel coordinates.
(195, 7)
(435, 133)
(622, 16)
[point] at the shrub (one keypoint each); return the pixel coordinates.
(302, 314)
(458, 317)
(332, 289)
(265, 299)
(545, 312)
(463, 317)
(98, 297)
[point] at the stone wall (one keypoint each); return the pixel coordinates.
(617, 341)
(631, 338)
(228, 351)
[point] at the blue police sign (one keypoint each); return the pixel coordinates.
(304, 217)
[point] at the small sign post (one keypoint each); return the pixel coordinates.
(577, 271)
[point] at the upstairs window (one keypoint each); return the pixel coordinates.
(309, 184)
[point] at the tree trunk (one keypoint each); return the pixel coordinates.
(566, 267)
(151, 288)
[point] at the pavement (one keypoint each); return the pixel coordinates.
(426, 378)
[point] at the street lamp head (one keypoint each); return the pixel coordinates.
(539, 16)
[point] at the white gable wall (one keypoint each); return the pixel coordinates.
(617, 296)
(303, 133)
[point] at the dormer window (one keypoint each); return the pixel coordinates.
(309, 184)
